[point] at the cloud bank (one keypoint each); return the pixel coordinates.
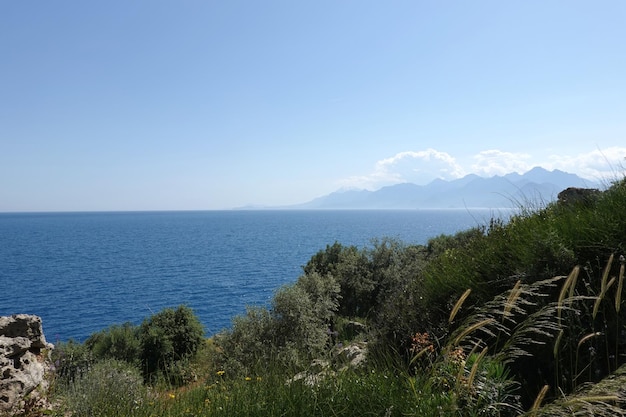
(422, 167)
(410, 166)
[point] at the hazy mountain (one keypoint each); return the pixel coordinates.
(537, 186)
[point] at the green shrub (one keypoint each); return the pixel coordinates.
(116, 342)
(351, 269)
(167, 339)
(249, 345)
(70, 360)
(371, 277)
(109, 388)
(302, 314)
(295, 330)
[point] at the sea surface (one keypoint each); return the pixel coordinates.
(82, 272)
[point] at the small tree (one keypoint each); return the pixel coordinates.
(168, 339)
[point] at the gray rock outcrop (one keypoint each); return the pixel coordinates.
(575, 195)
(24, 361)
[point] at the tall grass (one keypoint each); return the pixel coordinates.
(374, 393)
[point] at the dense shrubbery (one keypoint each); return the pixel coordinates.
(488, 322)
(398, 289)
(159, 348)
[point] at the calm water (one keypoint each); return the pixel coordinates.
(84, 271)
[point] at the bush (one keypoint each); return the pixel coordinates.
(71, 359)
(303, 315)
(116, 342)
(169, 338)
(371, 277)
(294, 331)
(249, 344)
(351, 269)
(109, 388)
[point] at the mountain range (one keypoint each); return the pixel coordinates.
(537, 186)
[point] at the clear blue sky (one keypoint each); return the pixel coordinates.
(161, 105)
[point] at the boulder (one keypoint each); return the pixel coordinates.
(574, 195)
(24, 361)
(354, 354)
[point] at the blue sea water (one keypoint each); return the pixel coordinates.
(82, 272)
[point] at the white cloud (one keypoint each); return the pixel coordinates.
(421, 167)
(418, 167)
(495, 162)
(597, 165)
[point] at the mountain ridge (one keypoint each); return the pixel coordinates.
(537, 186)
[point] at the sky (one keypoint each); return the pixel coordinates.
(203, 105)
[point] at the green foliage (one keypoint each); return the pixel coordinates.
(109, 388)
(443, 243)
(70, 360)
(531, 246)
(250, 342)
(169, 338)
(120, 342)
(348, 394)
(350, 268)
(292, 332)
(161, 347)
(377, 284)
(302, 314)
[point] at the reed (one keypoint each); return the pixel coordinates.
(513, 296)
(581, 342)
(618, 306)
(467, 331)
(557, 344)
(605, 287)
(458, 304)
(472, 374)
(620, 284)
(568, 288)
(539, 400)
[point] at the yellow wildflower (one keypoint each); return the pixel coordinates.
(248, 378)
(220, 373)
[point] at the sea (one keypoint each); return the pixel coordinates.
(82, 272)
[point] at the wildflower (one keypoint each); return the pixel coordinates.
(259, 379)
(172, 395)
(421, 344)
(220, 373)
(248, 378)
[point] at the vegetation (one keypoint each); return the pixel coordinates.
(512, 318)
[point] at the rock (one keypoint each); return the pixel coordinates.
(574, 195)
(353, 329)
(354, 354)
(350, 356)
(24, 361)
